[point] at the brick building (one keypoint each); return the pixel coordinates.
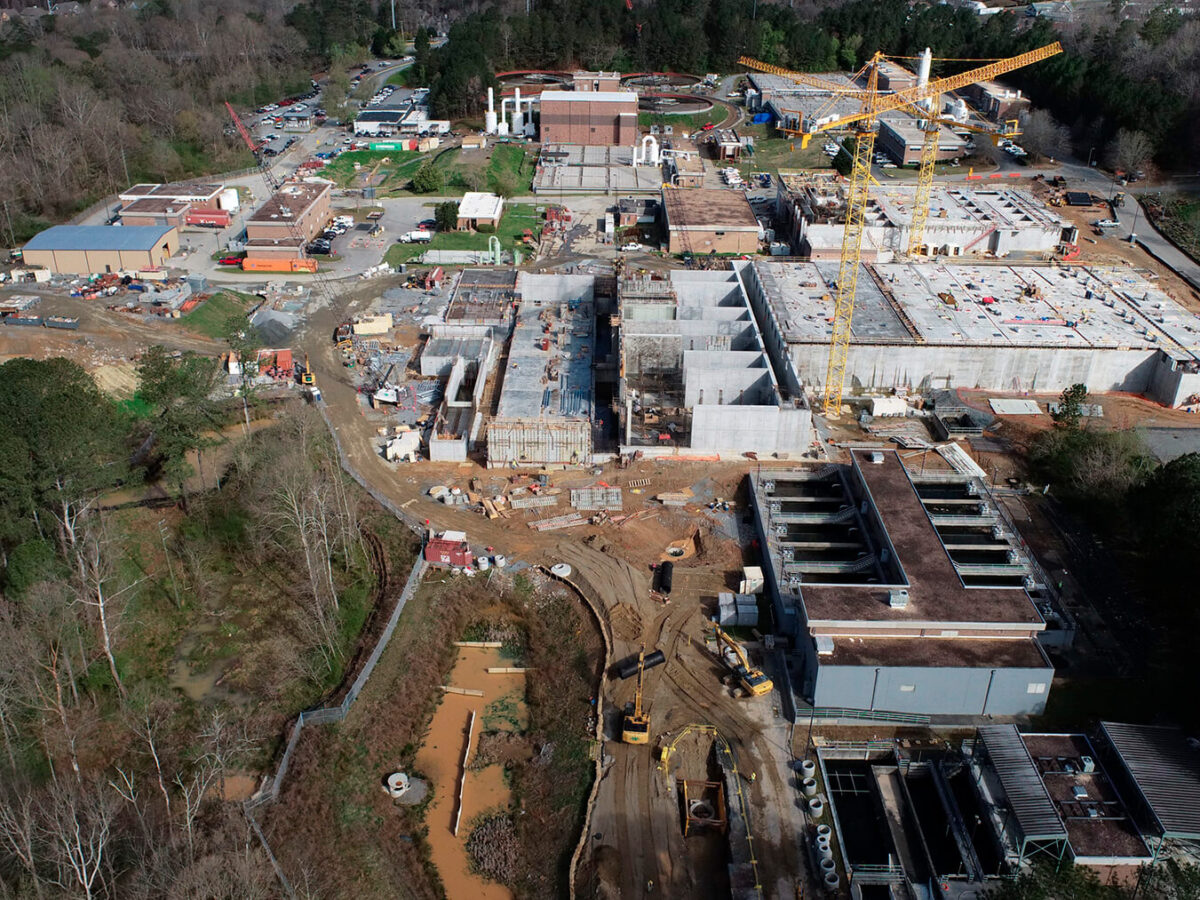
(596, 81)
(709, 221)
(155, 211)
(595, 118)
(290, 219)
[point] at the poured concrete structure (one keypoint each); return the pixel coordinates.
(903, 593)
(695, 376)
(545, 412)
(1002, 328)
(994, 222)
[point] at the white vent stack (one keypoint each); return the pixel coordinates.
(489, 118)
(502, 125)
(518, 119)
(923, 68)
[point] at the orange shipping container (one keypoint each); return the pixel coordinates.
(250, 264)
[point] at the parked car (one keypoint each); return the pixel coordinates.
(229, 261)
(708, 126)
(320, 248)
(1107, 223)
(427, 224)
(631, 247)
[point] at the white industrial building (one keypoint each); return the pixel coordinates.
(922, 326)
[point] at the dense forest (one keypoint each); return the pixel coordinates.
(1116, 74)
(118, 93)
(152, 652)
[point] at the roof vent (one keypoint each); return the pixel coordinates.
(898, 598)
(1079, 792)
(1088, 764)
(876, 457)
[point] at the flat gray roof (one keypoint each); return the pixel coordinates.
(1027, 796)
(99, 237)
(1165, 771)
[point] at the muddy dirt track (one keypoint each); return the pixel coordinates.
(635, 830)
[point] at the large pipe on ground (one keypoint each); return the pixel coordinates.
(629, 667)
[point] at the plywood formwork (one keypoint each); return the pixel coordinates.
(536, 442)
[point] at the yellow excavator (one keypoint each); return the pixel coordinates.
(307, 378)
(751, 680)
(636, 727)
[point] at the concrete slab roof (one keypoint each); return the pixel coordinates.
(479, 205)
(966, 653)
(989, 305)
(590, 96)
(99, 237)
(184, 190)
(149, 206)
(699, 208)
(936, 593)
(290, 202)
(1107, 833)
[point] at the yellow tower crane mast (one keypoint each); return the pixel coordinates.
(863, 125)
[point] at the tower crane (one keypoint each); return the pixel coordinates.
(863, 125)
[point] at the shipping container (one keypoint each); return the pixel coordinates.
(448, 553)
(22, 320)
(209, 218)
(70, 323)
(250, 264)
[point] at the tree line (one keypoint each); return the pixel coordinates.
(1117, 75)
(112, 781)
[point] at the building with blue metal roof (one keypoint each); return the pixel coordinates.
(88, 249)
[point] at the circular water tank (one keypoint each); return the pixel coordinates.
(808, 768)
(810, 787)
(831, 881)
(499, 561)
(816, 807)
(824, 831)
(828, 865)
(560, 570)
(483, 563)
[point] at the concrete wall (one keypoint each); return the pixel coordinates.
(726, 386)
(933, 691)
(1169, 384)
(761, 429)
(991, 368)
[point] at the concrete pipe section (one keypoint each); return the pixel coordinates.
(816, 806)
(810, 787)
(560, 570)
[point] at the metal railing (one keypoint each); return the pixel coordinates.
(875, 715)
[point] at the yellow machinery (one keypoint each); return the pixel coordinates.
(307, 378)
(753, 681)
(862, 125)
(636, 727)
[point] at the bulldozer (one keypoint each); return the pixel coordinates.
(635, 728)
(751, 680)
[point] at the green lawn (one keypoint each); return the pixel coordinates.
(511, 163)
(1178, 217)
(686, 122)
(517, 217)
(772, 154)
(397, 171)
(209, 317)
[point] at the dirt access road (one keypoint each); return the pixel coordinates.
(636, 814)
